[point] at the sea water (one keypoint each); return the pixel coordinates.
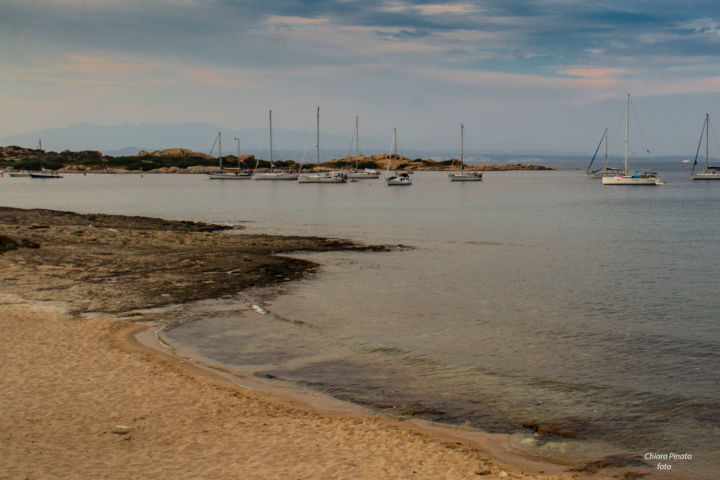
(530, 298)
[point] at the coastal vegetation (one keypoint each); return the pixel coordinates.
(178, 160)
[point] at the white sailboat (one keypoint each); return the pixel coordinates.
(222, 175)
(399, 178)
(641, 178)
(710, 172)
(322, 177)
(273, 175)
(606, 171)
(462, 175)
(366, 173)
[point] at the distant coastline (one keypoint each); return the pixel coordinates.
(179, 160)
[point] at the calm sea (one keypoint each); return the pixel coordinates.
(532, 297)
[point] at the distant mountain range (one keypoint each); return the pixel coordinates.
(116, 140)
(127, 139)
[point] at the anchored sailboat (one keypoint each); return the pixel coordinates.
(462, 175)
(710, 172)
(238, 175)
(43, 173)
(273, 175)
(400, 178)
(366, 172)
(606, 171)
(641, 178)
(322, 177)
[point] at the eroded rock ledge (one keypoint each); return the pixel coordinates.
(116, 263)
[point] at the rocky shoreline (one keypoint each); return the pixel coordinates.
(116, 263)
(178, 160)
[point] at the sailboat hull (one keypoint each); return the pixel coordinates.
(628, 180)
(230, 176)
(465, 177)
(44, 175)
(275, 176)
(706, 176)
(362, 175)
(322, 178)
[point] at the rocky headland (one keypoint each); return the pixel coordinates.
(180, 160)
(115, 263)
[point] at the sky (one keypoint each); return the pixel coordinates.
(536, 75)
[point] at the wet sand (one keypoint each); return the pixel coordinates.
(83, 398)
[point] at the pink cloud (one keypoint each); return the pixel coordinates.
(595, 72)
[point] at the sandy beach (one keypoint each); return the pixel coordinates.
(83, 398)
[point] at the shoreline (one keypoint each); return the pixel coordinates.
(103, 406)
(178, 160)
(495, 446)
(59, 267)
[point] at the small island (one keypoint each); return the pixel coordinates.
(181, 160)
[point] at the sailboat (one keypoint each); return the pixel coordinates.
(710, 172)
(642, 178)
(462, 175)
(400, 178)
(238, 175)
(606, 171)
(273, 175)
(357, 174)
(322, 177)
(43, 173)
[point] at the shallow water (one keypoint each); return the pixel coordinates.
(532, 297)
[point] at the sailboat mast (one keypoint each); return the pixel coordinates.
(462, 146)
(357, 136)
(606, 150)
(220, 148)
(271, 152)
(238, 143)
(627, 130)
(394, 149)
(317, 145)
(707, 135)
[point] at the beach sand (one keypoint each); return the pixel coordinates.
(82, 398)
(71, 386)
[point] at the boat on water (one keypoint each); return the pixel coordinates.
(45, 174)
(710, 172)
(365, 173)
(462, 175)
(606, 171)
(42, 173)
(222, 174)
(272, 174)
(631, 178)
(356, 173)
(321, 177)
(399, 178)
